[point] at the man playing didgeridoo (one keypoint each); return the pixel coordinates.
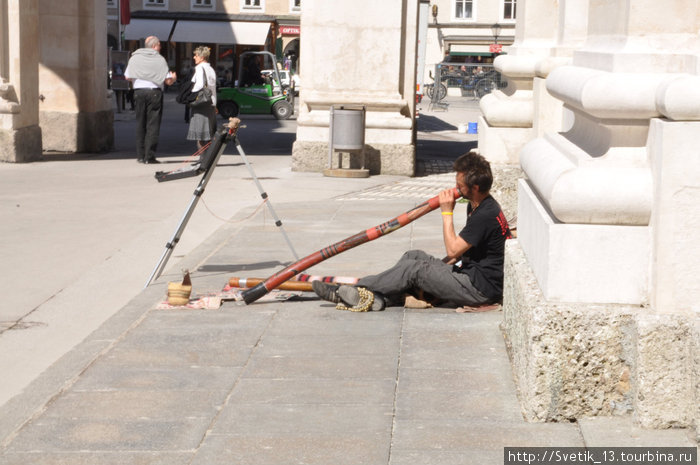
(472, 272)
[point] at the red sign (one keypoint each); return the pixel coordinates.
(495, 48)
(290, 30)
(125, 11)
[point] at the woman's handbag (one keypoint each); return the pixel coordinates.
(203, 95)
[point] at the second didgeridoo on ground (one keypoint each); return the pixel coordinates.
(254, 293)
(285, 286)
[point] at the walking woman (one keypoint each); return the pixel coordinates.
(203, 117)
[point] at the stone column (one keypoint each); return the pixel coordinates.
(606, 283)
(361, 53)
(20, 135)
(75, 111)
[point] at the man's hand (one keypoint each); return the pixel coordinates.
(447, 200)
(170, 78)
(455, 246)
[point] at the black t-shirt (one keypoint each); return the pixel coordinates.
(486, 231)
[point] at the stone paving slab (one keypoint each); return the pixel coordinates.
(315, 449)
(310, 389)
(102, 458)
(308, 419)
(339, 369)
(470, 434)
(429, 380)
(441, 457)
(618, 431)
(458, 405)
(115, 374)
(74, 434)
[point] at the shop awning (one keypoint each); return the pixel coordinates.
(142, 28)
(221, 32)
(469, 49)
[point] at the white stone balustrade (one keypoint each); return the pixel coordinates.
(505, 124)
(678, 98)
(515, 108)
(604, 150)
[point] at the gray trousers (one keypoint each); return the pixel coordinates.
(416, 270)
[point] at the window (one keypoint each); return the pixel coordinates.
(153, 4)
(199, 5)
(253, 4)
(509, 9)
(294, 5)
(111, 4)
(464, 9)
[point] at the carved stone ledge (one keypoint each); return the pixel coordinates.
(8, 103)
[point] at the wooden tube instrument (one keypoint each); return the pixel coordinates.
(285, 286)
(301, 282)
(254, 293)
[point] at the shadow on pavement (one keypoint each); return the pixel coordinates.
(441, 149)
(245, 267)
(437, 156)
(428, 123)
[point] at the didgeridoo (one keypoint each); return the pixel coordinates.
(301, 282)
(285, 286)
(254, 293)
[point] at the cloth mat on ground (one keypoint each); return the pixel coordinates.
(213, 302)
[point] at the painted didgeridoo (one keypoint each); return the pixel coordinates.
(254, 293)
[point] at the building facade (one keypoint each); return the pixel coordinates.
(228, 27)
(467, 32)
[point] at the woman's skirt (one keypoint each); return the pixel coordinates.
(202, 123)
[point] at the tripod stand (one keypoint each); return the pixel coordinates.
(207, 164)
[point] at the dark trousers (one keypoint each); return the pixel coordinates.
(149, 112)
(418, 271)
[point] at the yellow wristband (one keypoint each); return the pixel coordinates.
(447, 213)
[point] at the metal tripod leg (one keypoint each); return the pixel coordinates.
(190, 209)
(209, 163)
(263, 194)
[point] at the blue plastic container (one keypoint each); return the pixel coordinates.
(472, 128)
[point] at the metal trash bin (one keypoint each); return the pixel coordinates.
(347, 134)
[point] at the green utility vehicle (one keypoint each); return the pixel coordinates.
(256, 92)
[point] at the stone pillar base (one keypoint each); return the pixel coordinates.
(20, 145)
(583, 262)
(666, 386)
(577, 360)
(77, 132)
(346, 173)
(502, 144)
(393, 159)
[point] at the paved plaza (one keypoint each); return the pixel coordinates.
(96, 373)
